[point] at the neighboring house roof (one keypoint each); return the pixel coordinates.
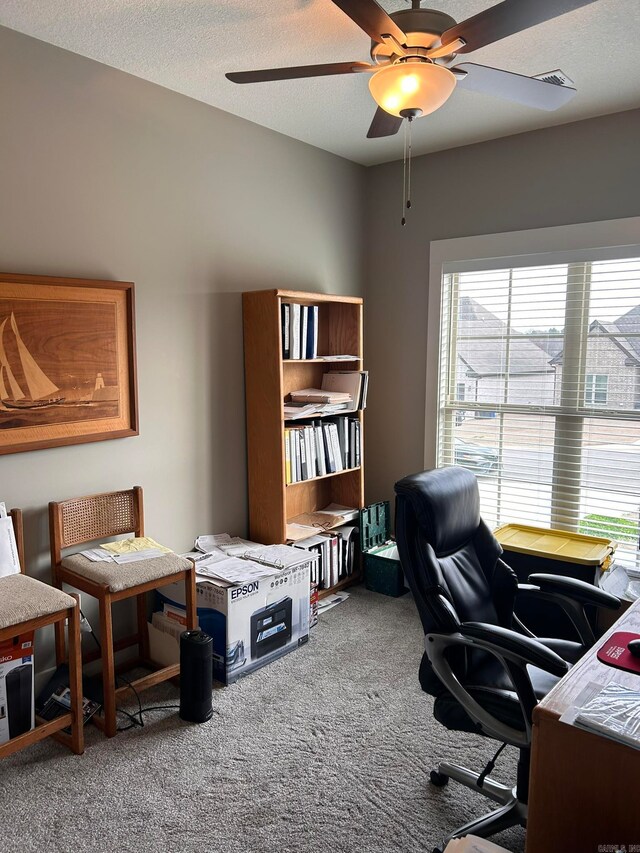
(552, 346)
(488, 357)
(627, 324)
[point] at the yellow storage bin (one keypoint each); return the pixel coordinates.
(529, 550)
(547, 544)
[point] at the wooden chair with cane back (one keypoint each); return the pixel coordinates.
(97, 517)
(27, 604)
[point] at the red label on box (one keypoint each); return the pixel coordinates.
(16, 648)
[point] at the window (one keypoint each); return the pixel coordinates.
(549, 356)
(595, 389)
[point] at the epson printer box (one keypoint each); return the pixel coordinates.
(254, 623)
(17, 714)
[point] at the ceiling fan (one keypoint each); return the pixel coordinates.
(414, 51)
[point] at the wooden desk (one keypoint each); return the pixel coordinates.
(584, 788)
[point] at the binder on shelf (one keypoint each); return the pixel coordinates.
(304, 321)
(320, 455)
(286, 338)
(299, 330)
(295, 330)
(337, 551)
(287, 456)
(312, 332)
(320, 448)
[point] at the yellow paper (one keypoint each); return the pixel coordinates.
(129, 546)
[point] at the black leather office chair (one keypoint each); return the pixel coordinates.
(485, 669)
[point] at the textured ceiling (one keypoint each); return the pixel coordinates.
(187, 45)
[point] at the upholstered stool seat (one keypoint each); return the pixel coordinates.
(23, 598)
(120, 577)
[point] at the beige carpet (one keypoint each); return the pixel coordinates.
(328, 749)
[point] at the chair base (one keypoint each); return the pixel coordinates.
(512, 811)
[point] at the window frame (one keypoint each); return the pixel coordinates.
(591, 389)
(607, 240)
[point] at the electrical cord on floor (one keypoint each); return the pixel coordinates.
(91, 631)
(490, 765)
(137, 719)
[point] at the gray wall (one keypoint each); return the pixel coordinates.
(581, 172)
(103, 175)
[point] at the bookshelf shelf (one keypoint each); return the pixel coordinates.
(269, 378)
(327, 360)
(324, 477)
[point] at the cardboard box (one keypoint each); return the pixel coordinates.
(17, 714)
(253, 624)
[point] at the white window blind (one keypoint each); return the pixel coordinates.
(540, 394)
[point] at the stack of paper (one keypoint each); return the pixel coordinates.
(277, 556)
(9, 562)
(473, 844)
(234, 570)
(614, 712)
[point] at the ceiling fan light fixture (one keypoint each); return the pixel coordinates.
(411, 85)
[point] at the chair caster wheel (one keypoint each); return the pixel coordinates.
(438, 850)
(439, 780)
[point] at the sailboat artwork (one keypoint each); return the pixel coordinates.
(40, 390)
(67, 362)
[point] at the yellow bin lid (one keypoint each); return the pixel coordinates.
(555, 544)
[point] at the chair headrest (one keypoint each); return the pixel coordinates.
(446, 504)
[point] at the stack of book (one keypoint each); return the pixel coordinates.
(320, 448)
(341, 391)
(355, 383)
(299, 330)
(321, 396)
(337, 550)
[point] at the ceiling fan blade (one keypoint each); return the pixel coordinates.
(383, 124)
(297, 71)
(507, 18)
(513, 87)
(371, 18)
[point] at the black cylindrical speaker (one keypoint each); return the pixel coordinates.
(196, 676)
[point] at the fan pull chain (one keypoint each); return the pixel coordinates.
(403, 221)
(409, 168)
(406, 170)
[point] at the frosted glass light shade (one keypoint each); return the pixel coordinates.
(411, 86)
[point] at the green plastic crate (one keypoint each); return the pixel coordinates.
(382, 570)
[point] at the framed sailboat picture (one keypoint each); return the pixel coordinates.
(67, 362)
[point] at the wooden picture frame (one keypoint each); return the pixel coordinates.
(67, 362)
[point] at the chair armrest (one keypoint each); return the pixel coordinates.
(584, 593)
(515, 652)
(514, 646)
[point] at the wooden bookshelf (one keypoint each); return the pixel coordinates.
(269, 378)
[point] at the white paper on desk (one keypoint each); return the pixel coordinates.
(9, 562)
(204, 559)
(137, 556)
(234, 570)
(3, 509)
(277, 556)
(236, 546)
(98, 555)
(473, 844)
(212, 541)
(614, 713)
